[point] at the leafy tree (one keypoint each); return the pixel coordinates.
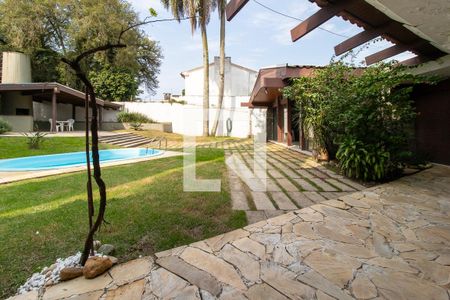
(112, 83)
(199, 13)
(45, 28)
(45, 66)
(363, 115)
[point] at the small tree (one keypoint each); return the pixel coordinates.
(75, 65)
(364, 116)
(319, 99)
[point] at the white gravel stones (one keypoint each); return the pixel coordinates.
(50, 275)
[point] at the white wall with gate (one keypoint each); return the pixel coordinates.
(187, 119)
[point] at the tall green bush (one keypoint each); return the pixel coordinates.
(133, 117)
(366, 162)
(362, 114)
(4, 126)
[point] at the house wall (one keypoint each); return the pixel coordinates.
(433, 121)
(10, 102)
(19, 123)
(239, 83)
(16, 68)
(187, 119)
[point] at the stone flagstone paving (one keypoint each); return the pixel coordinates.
(387, 242)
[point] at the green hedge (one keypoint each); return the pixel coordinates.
(133, 117)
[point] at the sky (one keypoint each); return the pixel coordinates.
(255, 38)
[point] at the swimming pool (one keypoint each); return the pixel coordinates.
(72, 159)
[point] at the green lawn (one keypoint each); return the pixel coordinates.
(43, 219)
(17, 146)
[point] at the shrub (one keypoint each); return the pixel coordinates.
(365, 114)
(136, 126)
(133, 117)
(34, 139)
(4, 126)
(366, 162)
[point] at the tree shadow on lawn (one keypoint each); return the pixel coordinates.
(145, 216)
(36, 192)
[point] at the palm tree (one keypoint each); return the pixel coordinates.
(221, 8)
(199, 12)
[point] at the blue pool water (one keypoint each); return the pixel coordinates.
(72, 159)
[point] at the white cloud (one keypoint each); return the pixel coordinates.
(302, 9)
(144, 5)
(282, 35)
(195, 44)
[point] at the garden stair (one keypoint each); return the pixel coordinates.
(127, 140)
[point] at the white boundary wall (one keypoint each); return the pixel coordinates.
(187, 119)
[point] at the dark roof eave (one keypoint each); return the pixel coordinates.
(46, 86)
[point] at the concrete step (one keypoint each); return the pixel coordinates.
(121, 138)
(115, 136)
(131, 139)
(133, 144)
(127, 140)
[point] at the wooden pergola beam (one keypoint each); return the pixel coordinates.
(320, 17)
(416, 60)
(391, 51)
(385, 53)
(234, 7)
(359, 39)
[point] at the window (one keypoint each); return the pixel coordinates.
(22, 112)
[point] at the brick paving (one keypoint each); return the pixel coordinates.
(390, 241)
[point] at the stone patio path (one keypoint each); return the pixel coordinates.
(294, 181)
(387, 242)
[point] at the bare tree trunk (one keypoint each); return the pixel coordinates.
(222, 66)
(88, 164)
(205, 80)
(91, 99)
(88, 244)
(97, 172)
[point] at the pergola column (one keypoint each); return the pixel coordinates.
(54, 110)
(280, 119)
(100, 116)
(302, 133)
(289, 124)
(74, 111)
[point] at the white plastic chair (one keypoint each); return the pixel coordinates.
(70, 123)
(58, 126)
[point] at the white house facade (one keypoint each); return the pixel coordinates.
(235, 120)
(239, 82)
